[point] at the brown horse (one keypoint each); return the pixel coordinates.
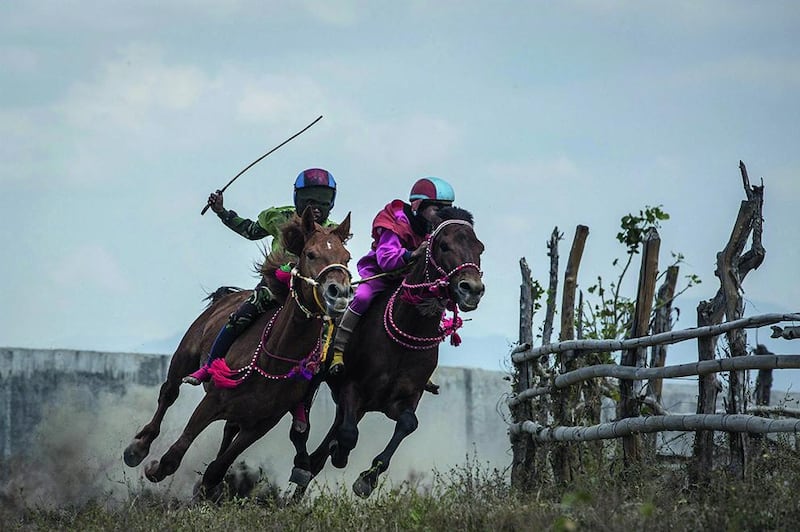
(257, 397)
(395, 348)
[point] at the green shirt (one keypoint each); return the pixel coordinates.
(269, 223)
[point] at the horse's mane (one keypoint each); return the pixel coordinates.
(293, 240)
(455, 213)
(219, 293)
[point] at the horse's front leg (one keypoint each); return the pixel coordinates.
(347, 435)
(182, 363)
(206, 412)
(301, 472)
(368, 480)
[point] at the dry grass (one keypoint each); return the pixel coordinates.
(469, 498)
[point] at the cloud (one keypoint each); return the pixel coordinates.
(541, 171)
(422, 141)
(133, 91)
(280, 98)
(90, 267)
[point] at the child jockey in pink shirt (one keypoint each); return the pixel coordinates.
(398, 238)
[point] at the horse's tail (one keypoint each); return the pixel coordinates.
(219, 293)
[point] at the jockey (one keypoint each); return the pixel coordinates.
(398, 234)
(314, 188)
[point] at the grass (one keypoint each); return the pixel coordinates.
(469, 498)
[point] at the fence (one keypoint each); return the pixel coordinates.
(555, 385)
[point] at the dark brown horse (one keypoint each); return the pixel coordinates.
(395, 348)
(274, 353)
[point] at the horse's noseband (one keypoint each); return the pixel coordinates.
(444, 280)
(434, 288)
(315, 283)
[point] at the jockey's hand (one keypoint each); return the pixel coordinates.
(419, 252)
(215, 201)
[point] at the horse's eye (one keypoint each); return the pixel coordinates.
(311, 255)
(444, 247)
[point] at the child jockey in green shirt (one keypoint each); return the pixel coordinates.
(314, 188)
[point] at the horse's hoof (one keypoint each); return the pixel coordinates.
(297, 496)
(432, 387)
(150, 471)
(362, 487)
(301, 477)
(338, 458)
(135, 453)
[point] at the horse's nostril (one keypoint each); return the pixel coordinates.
(333, 290)
(467, 287)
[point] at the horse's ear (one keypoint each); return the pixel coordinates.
(309, 225)
(292, 236)
(343, 229)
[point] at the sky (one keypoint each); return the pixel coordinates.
(119, 118)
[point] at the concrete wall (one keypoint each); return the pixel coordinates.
(68, 415)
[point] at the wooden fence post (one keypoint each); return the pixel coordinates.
(628, 402)
(562, 456)
(764, 379)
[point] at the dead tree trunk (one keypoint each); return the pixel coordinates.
(748, 221)
(544, 411)
(662, 322)
(523, 466)
(732, 267)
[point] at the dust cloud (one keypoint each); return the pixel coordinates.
(75, 455)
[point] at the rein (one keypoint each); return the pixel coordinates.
(431, 289)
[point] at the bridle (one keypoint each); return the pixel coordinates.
(431, 288)
(307, 366)
(315, 283)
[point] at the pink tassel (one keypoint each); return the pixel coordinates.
(455, 340)
(222, 375)
(282, 276)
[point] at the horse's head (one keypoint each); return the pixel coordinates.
(454, 257)
(320, 280)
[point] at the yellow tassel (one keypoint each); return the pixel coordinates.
(327, 338)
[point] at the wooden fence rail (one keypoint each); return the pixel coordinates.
(641, 425)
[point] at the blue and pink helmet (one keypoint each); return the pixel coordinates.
(433, 189)
(315, 177)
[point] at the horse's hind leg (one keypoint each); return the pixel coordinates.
(215, 472)
(182, 363)
(316, 461)
(206, 412)
(347, 434)
(367, 480)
